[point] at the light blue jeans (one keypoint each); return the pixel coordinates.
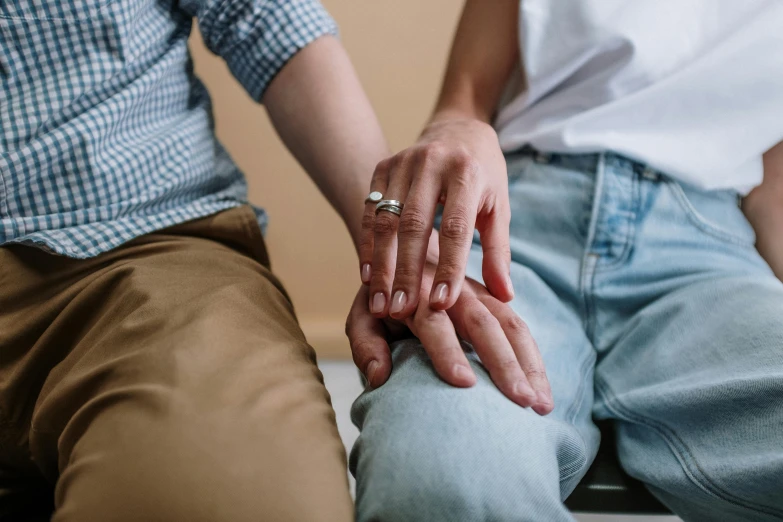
(651, 307)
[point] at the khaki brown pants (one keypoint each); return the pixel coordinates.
(167, 380)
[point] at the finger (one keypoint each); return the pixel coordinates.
(493, 226)
(413, 235)
(436, 333)
(475, 322)
(385, 242)
(527, 353)
(380, 180)
(367, 339)
(456, 235)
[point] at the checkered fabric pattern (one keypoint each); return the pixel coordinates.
(105, 133)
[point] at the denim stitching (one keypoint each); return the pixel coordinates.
(680, 450)
(700, 221)
(629, 238)
(582, 464)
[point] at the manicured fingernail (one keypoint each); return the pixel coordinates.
(378, 303)
(371, 369)
(523, 389)
(461, 372)
(441, 293)
(366, 273)
(398, 302)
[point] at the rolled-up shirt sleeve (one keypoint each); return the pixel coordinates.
(257, 38)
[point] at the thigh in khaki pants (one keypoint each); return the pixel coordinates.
(166, 380)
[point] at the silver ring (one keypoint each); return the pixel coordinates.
(373, 197)
(388, 207)
(389, 202)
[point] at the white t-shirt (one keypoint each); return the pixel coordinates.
(694, 88)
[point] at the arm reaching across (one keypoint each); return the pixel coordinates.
(322, 114)
(457, 160)
(286, 56)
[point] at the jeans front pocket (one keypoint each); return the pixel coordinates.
(716, 213)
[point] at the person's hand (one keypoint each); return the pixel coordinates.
(457, 162)
(501, 339)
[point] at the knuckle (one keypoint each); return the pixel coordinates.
(433, 150)
(480, 321)
(365, 241)
(368, 220)
(365, 247)
(413, 223)
(461, 158)
(534, 371)
(466, 165)
(385, 225)
(456, 226)
(397, 160)
(383, 166)
(516, 326)
(382, 275)
(361, 345)
(406, 274)
(508, 365)
(449, 269)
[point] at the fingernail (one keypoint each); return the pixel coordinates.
(461, 372)
(509, 283)
(398, 302)
(441, 293)
(543, 399)
(371, 369)
(366, 273)
(523, 390)
(378, 303)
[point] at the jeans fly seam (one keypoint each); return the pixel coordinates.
(629, 237)
(681, 452)
(589, 260)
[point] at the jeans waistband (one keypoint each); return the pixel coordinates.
(586, 162)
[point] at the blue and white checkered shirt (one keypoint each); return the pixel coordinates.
(105, 133)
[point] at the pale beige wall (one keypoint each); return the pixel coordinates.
(399, 49)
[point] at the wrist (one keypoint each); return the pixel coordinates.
(452, 114)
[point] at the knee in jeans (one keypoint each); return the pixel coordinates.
(456, 468)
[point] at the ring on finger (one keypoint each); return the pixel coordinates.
(373, 197)
(384, 202)
(389, 205)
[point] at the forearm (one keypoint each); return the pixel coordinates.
(323, 116)
(764, 209)
(473, 82)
